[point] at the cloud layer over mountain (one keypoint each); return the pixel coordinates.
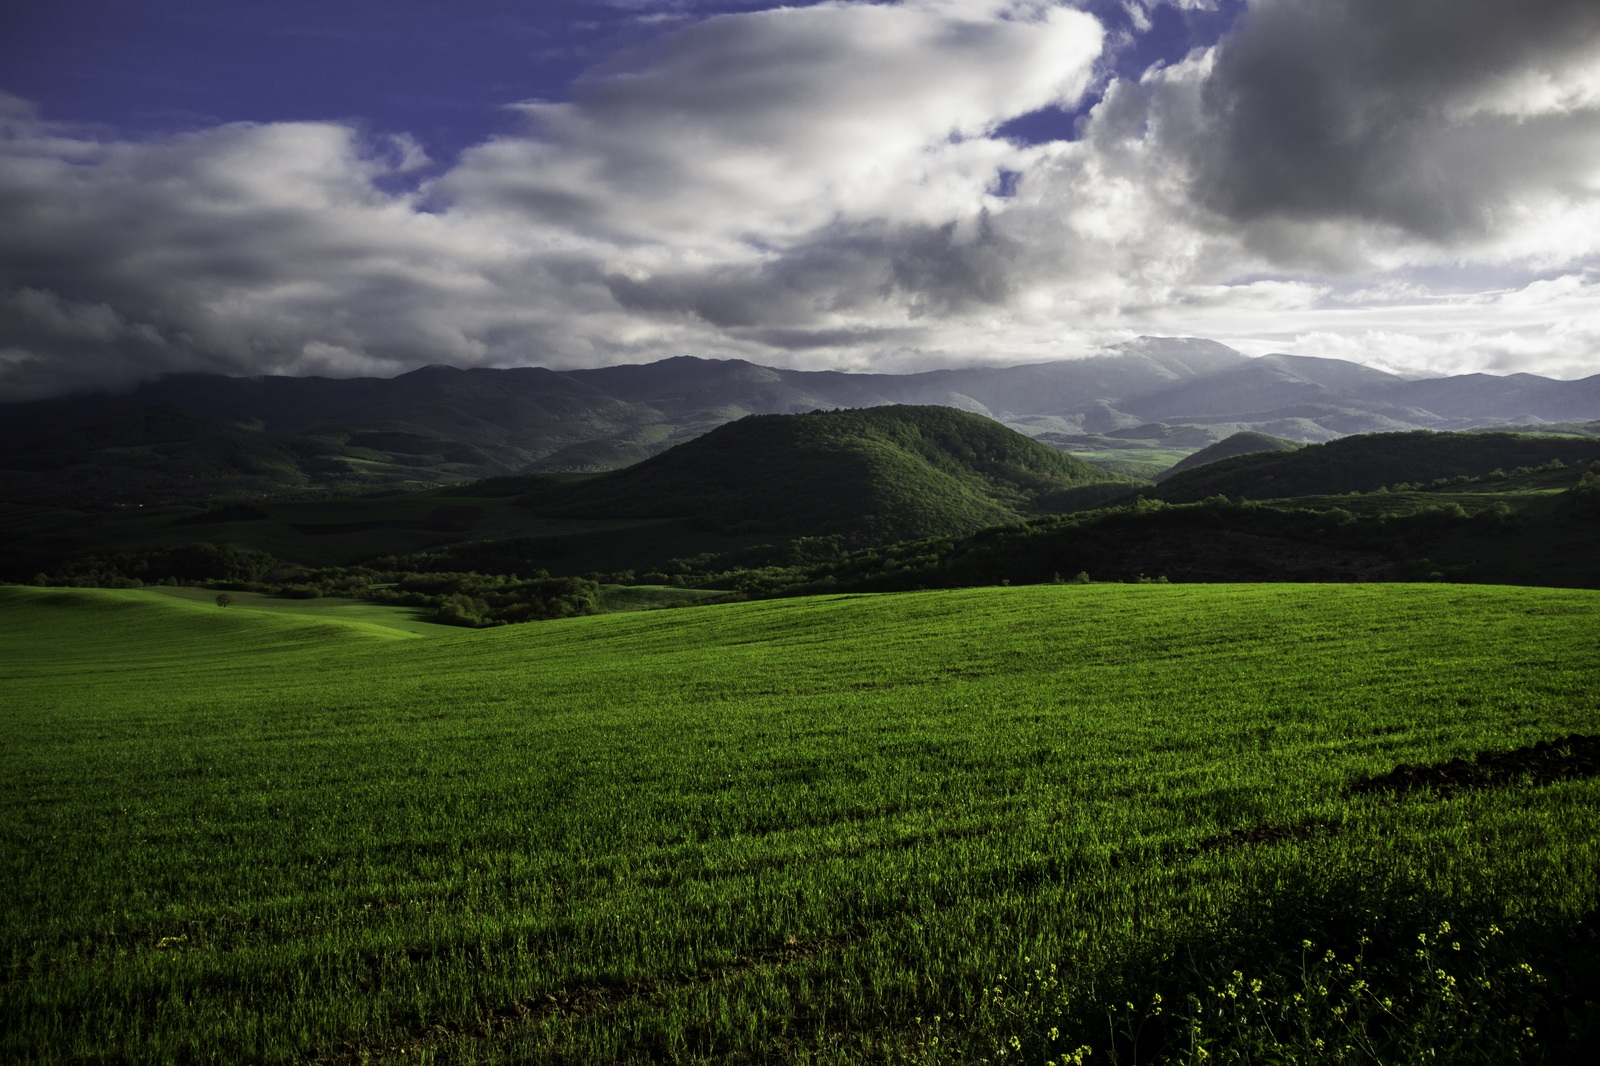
(1412, 183)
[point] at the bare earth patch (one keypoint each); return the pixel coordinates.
(1576, 755)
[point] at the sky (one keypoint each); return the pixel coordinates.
(365, 187)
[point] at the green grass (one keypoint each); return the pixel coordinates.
(1133, 462)
(359, 613)
(1134, 451)
(786, 830)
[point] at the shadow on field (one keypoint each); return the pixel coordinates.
(1546, 762)
(1354, 970)
(1542, 763)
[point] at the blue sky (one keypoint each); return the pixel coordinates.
(443, 73)
(363, 187)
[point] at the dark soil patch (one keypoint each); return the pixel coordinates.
(1577, 755)
(1267, 833)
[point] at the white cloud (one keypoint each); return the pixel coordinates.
(762, 128)
(820, 186)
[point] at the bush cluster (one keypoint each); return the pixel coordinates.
(482, 600)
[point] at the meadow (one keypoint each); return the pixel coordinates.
(1001, 824)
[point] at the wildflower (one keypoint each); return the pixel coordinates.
(1016, 1044)
(1255, 985)
(1055, 1033)
(1305, 943)
(1444, 927)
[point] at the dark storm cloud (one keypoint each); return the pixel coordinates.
(1426, 115)
(241, 249)
(921, 270)
(804, 340)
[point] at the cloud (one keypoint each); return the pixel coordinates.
(1439, 119)
(827, 186)
(783, 169)
(767, 126)
(227, 250)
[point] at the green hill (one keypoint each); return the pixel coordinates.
(1531, 526)
(888, 472)
(1373, 461)
(1245, 442)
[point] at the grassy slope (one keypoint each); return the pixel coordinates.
(892, 471)
(763, 831)
(336, 609)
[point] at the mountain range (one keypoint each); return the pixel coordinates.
(198, 436)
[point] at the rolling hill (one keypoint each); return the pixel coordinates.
(884, 473)
(692, 837)
(1244, 442)
(870, 476)
(1368, 462)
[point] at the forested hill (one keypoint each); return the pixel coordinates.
(1245, 442)
(890, 472)
(1372, 461)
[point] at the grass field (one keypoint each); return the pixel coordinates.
(360, 614)
(1145, 462)
(843, 829)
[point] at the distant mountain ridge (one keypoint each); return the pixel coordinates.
(199, 435)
